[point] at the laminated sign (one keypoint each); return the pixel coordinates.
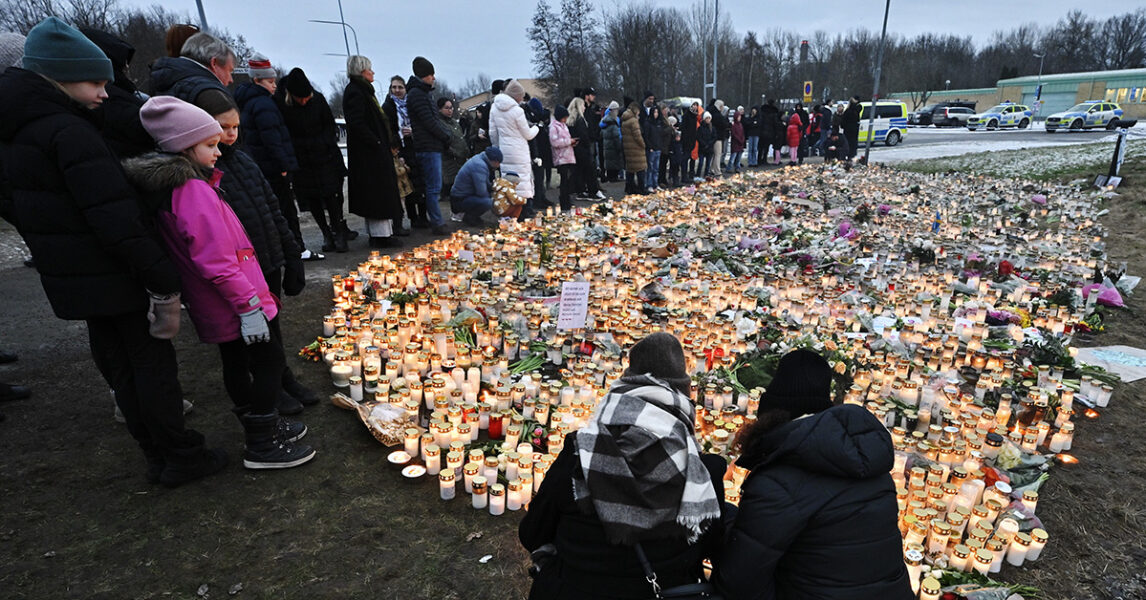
(574, 305)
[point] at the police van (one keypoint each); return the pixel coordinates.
(890, 122)
(1001, 116)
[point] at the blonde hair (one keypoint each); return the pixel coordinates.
(576, 108)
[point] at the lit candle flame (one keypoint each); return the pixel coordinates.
(1091, 413)
(1066, 459)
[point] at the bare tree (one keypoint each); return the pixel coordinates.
(1125, 37)
(337, 87)
(475, 85)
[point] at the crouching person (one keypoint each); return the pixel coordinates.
(80, 218)
(629, 498)
(472, 191)
(223, 285)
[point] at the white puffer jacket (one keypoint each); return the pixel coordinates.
(510, 131)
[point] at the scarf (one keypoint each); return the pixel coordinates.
(403, 114)
(640, 465)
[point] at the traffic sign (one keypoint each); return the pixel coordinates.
(807, 91)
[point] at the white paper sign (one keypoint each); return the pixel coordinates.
(466, 255)
(574, 306)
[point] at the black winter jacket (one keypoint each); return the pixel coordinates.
(72, 203)
(264, 132)
(705, 139)
(314, 137)
(850, 122)
(121, 125)
(183, 78)
(587, 565)
(429, 135)
(818, 515)
(249, 194)
(372, 185)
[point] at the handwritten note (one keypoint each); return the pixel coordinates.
(574, 306)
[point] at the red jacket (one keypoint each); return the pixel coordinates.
(795, 125)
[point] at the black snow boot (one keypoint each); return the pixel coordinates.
(186, 466)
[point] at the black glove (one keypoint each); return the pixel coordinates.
(294, 277)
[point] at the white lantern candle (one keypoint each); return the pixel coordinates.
(496, 499)
(446, 484)
(1017, 551)
(1038, 542)
(355, 383)
(433, 455)
(480, 498)
(341, 373)
(513, 495)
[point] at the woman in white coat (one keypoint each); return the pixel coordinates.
(510, 131)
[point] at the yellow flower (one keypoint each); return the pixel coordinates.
(840, 367)
(831, 345)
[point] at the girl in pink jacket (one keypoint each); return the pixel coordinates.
(223, 285)
(562, 143)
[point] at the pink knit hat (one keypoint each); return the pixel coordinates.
(176, 125)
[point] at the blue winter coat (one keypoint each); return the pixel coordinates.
(264, 130)
(474, 178)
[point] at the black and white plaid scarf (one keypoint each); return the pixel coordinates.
(640, 464)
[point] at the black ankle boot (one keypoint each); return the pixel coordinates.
(266, 449)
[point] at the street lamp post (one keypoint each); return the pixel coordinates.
(345, 26)
(202, 16)
(875, 89)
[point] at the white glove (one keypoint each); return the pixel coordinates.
(537, 162)
(253, 327)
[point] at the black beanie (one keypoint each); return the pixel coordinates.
(297, 84)
(422, 67)
(661, 356)
(802, 384)
(497, 86)
(215, 101)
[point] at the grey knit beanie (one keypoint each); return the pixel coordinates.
(11, 49)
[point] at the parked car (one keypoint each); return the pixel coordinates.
(952, 116)
(890, 122)
(1000, 116)
(1088, 115)
(927, 115)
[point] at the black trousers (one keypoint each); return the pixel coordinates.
(565, 172)
(274, 279)
(280, 185)
(145, 376)
(253, 374)
(320, 205)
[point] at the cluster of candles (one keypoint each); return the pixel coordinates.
(406, 353)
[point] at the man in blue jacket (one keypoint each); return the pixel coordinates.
(471, 192)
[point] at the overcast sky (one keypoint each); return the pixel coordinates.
(465, 37)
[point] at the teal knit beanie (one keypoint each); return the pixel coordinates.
(59, 51)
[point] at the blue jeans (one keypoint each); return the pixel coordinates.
(704, 165)
(652, 179)
(474, 206)
(431, 163)
(734, 162)
(753, 149)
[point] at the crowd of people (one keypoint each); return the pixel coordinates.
(135, 206)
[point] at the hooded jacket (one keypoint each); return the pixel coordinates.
(249, 194)
(818, 516)
(632, 140)
(795, 130)
(429, 135)
(314, 138)
(264, 131)
(183, 78)
(510, 131)
(216, 260)
(456, 152)
(121, 125)
(562, 143)
(73, 205)
(475, 178)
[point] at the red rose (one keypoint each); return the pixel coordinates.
(1006, 268)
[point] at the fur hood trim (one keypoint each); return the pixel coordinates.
(159, 171)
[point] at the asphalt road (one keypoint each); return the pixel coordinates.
(947, 135)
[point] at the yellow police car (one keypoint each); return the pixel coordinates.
(1001, 116)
